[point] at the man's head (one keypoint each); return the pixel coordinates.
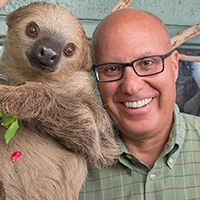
(137, 104)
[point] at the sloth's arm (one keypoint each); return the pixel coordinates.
(81, 125)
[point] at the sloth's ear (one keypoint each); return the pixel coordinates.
(16, 15)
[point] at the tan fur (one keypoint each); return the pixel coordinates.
(62, 124)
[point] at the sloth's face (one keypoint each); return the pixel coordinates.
(47, 48)
(47, 40)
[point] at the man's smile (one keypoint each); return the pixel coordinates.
(138, 104)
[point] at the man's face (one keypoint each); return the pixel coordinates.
(153, 96)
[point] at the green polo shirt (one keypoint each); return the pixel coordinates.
(175, 175)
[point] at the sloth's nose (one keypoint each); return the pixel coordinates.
(47, 55)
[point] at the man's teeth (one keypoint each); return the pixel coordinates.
(138, 104)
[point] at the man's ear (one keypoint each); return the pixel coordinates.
(175, 61)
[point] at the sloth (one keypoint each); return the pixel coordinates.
(45, 66)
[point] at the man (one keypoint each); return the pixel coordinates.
(136, 71)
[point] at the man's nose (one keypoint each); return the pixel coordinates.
(131, 82)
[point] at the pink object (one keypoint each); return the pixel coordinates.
(15, 156)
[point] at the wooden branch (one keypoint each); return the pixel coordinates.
(187, 34)
(3, 3)
(182, 37)
(120, 4)
(184, 57)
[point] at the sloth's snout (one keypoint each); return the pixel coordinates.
(47, 55)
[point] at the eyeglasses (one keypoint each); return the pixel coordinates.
(146, 66)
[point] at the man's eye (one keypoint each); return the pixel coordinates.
(112, 69)
(153, 61)
(146, 62)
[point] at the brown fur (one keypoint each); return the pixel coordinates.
(62, 124)
(2, 191)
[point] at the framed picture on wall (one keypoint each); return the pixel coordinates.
(188, 85)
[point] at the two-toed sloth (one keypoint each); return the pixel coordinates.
(47, 59)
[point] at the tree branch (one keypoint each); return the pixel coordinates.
(120, 4)
(3, 3)
(184, 57)
(182, 37)
(187, 34)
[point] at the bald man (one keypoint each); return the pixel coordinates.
(136, 72)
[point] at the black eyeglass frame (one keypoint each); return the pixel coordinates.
(163, 57)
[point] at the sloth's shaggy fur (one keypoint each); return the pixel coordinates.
(62, 125)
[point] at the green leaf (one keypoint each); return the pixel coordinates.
(8, 121)
(2, 114)
(10, 132)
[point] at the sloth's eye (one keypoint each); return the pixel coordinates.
(69, 49)
(32, 29)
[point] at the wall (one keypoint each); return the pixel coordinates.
(176, 14)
